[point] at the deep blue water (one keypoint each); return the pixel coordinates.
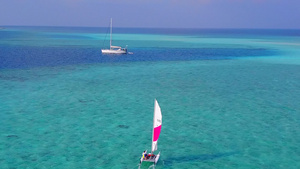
(20, 46)
(26, 57)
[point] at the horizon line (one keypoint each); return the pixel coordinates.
(245, 28)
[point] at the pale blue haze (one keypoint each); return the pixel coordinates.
(153, 13)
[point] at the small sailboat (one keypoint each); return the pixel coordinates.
(157, 121)
(114, 49)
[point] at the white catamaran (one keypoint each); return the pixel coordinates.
(157, 121)
(114, 49)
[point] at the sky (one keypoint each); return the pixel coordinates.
(265, 14)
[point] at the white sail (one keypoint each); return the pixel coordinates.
(157, 121)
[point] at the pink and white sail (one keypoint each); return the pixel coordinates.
(157, 121)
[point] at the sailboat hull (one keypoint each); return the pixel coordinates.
(110, 51)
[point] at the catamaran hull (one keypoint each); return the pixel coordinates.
(157, 157)
(108, 51)
(153, 160)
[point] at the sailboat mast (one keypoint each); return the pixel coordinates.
(153, 126)
(110, 32)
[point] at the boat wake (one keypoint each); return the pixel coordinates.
(151, 166)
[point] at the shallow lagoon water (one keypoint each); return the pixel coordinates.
(227, 101)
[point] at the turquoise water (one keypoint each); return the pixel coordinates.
(229, 99)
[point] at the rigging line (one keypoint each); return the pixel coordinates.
(105, 36)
